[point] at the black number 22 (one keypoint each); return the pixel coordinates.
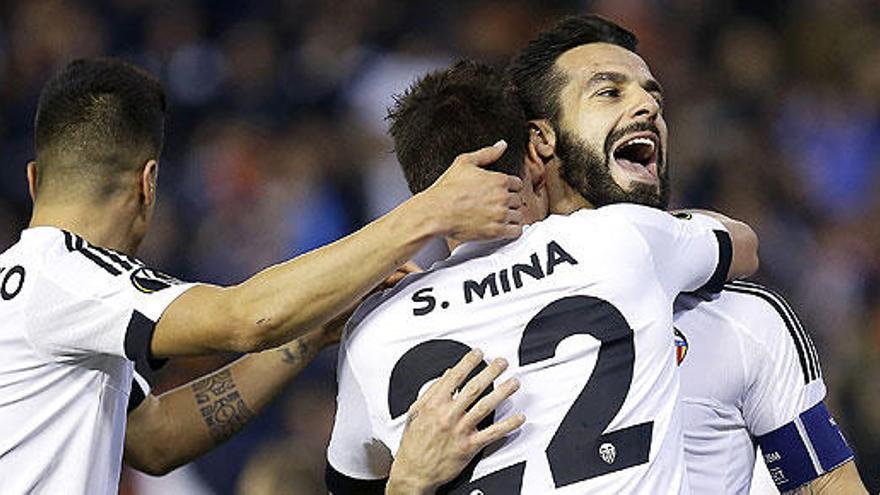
(581, 448)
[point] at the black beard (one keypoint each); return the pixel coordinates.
(589, 173)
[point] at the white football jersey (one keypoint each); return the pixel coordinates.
(77, 325)
(581, 308)
(748, 369)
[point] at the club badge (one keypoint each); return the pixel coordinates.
(681, 346)
(148, 280)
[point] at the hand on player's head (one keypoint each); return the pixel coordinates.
(477, 204)
(442, 434)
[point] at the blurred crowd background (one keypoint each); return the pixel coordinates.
(276, 144)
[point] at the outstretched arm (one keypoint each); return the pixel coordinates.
(177, 427)
(283, 301)
(167, 431)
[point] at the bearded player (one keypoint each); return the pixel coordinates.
(580, 308)
(750, 373)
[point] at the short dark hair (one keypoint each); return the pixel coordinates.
(457, 110)
(96, 118)
(534, 72)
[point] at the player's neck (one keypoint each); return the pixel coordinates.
(570, 204)
(106, 225)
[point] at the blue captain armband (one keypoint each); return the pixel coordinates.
(804, 449)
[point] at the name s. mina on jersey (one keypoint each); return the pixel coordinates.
(78, 320)
(581, 308)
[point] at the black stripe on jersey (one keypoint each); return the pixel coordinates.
(814, 355)
(340, 484)
(138, 337)
(68, 240)
(725, 257)
(807, 354)
(80, 247)
(117, 261)
(113, 257)
(135, 397)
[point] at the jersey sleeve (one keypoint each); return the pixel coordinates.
(77, 313)
(356, 461)
(782, 403)
(691, 252)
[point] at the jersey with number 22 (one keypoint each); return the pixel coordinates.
(581, 308)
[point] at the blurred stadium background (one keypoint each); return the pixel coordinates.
(276, 145)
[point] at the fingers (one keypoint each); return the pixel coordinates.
(403, 271)
(514, 184)
(487, 404)
(514, 201)
(514, 217)
(510, 231)
(483, 156)
(499, 430)
(410, 267)
(455, 376)
(476, 385)
(392, 279)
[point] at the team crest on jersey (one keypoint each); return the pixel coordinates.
(608, 453)
(681, 346)
(148, 280)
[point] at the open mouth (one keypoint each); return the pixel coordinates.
(637, 155)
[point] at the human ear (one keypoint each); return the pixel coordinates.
(149, 177)
(32, 179)
(536, 166)
(543, 138)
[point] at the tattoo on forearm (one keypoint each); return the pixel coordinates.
(221, 405)
(297, 355)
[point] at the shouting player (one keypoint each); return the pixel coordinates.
(580, 307)
(85, 323)
(582, 77)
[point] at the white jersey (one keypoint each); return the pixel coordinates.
(77, 325)
(749, 370)
(601, 405)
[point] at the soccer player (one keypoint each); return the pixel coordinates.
(85, 323)
(580, 307)
(750, 372)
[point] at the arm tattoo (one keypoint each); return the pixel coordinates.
(221, 405)
(296, 356)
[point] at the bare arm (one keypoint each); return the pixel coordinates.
(844, 480)
(441, 435)
(178, 426)
(283, 301)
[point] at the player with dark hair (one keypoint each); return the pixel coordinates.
(594, 157)
(412, 125)
(85, 323)
(580, 307)
(581, 80)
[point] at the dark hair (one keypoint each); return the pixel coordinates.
(457, 110)
(534, 72)
(96, 118)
